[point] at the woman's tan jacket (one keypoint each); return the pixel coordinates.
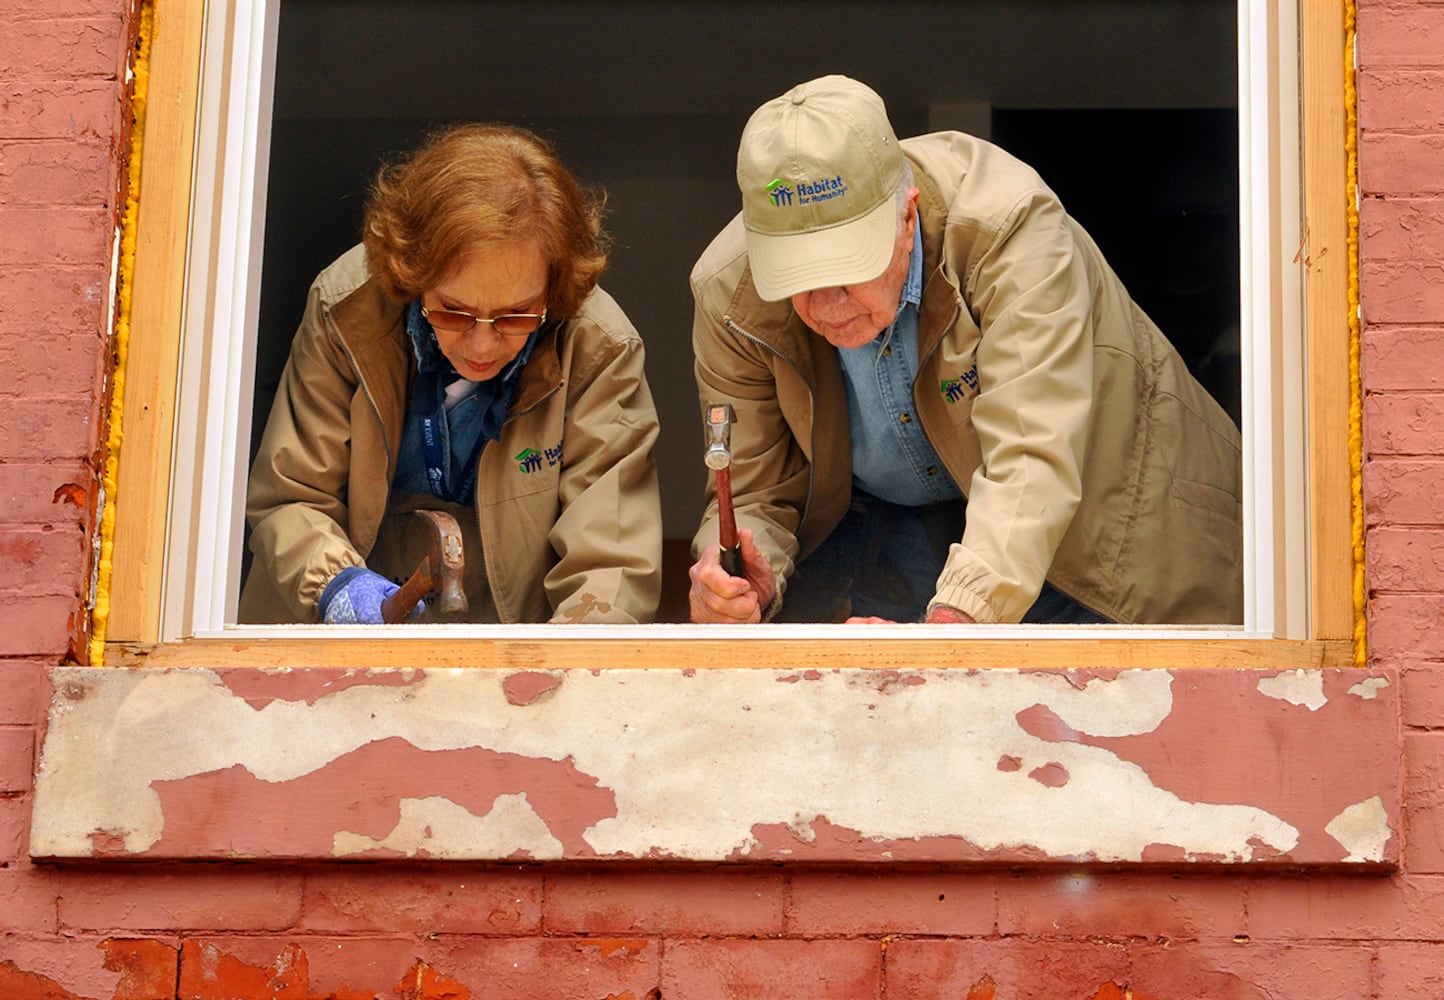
(566, 500)
(1088, 453)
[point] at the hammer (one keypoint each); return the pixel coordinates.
(718, 458)
(440, 569)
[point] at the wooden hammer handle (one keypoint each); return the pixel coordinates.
(397, 607)
(731, 551)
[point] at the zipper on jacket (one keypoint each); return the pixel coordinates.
(922, 363)
(486, 575)
(485, 569)
(376, 412)
(791, 363)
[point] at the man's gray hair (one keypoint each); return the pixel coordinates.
(903, 187)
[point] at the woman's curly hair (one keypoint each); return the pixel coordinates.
(485, 184)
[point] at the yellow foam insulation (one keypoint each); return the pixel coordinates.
(140, 80)
(1356, 395)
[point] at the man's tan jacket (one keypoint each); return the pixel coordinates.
(566, 508)
(1088, 453)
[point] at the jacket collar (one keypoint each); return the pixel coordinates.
(941, 299)
(542, 374)
(373, 330)
(775, 324)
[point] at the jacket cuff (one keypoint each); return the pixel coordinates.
(773, 606)
(969, 601)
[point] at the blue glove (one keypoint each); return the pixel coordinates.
(354, 597)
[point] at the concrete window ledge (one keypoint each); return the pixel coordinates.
(1183, 768)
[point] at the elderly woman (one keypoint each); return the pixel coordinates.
(462, 359)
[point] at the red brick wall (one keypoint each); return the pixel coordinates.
(62, 128)
(363, 932)
(1401, 166)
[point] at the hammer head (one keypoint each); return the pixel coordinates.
(719, 436)
(446, 560)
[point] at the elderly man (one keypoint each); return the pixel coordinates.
(948, 408)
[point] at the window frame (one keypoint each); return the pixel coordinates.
(197, 202)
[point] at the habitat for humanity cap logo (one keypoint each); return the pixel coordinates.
(806, 192)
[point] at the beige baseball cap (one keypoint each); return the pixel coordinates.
(819, 169)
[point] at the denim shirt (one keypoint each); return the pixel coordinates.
(891, 456)
(479, 415)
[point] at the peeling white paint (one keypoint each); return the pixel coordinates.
(696, 763)
(1369, 688)
(439, 828)
(1363, 830)
(1137, 705)
(802, 829)
(1297, 687)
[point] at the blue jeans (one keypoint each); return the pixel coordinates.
(884, 560)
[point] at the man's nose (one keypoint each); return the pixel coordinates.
(828, 298)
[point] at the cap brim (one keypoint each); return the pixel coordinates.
(848, 254)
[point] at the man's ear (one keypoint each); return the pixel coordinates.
(912, 211)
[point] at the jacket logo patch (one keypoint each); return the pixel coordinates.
(529, 460)
(954, 389)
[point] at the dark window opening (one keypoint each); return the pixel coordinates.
(1128, 110)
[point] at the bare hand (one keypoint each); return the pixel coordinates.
(719, 598)
(942, 614)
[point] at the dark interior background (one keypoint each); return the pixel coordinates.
(1128, 108)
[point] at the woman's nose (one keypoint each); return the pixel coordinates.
(481, 335)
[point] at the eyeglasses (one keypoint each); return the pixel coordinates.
(506, 325)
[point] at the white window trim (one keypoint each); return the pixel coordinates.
(223, 279)
(201, 577)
